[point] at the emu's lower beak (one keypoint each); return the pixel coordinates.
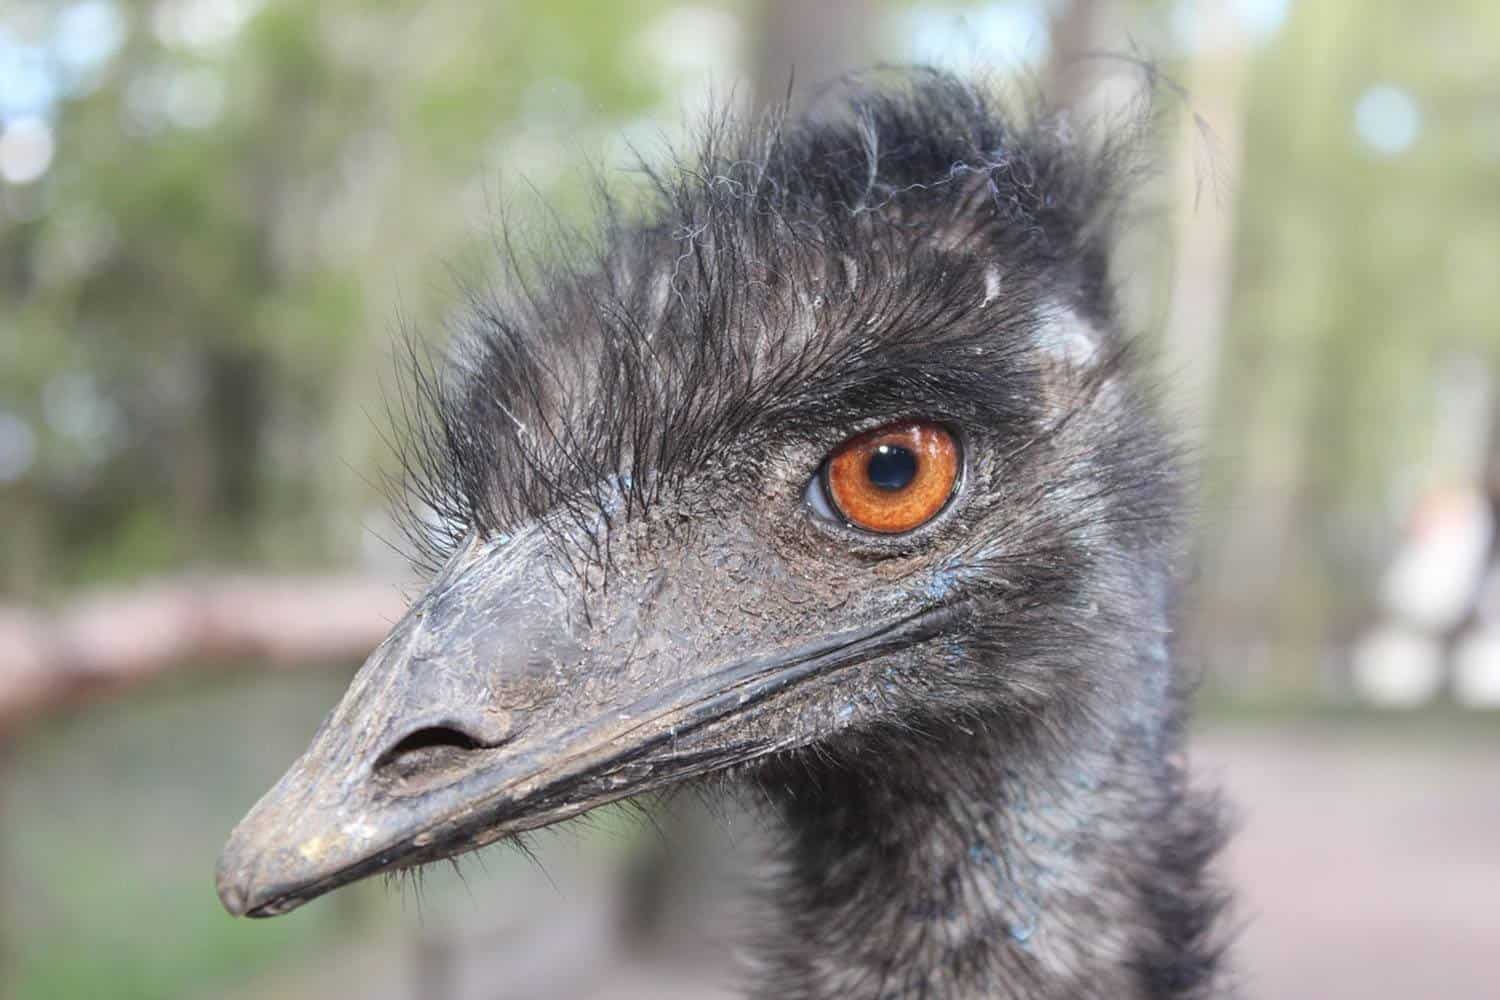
(492, 709)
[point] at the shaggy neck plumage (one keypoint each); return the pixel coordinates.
(1039, 859)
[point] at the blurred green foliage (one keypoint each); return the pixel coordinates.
(198, 298)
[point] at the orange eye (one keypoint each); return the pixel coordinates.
(895, 478)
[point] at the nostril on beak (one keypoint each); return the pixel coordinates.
(428, 751)
(443, 746)
(430, 736)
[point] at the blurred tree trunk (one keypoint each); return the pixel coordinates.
(1072, 29)
(237, 404)
(1259, 602)
(1207, 153)
(1208, 156)
(808, 43)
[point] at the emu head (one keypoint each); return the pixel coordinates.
(838, 446)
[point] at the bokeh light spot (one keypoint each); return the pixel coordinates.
(1388, 119)
(26, 148)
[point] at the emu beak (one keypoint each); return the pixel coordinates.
(494, 707)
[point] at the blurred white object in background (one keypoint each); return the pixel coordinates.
(1476, 669)
(1436, 574)
(1439, 622)
(1430, 589)
(1396, 666)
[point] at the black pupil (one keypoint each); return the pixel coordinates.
(892, 467)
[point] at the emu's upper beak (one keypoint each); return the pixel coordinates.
(496, 706)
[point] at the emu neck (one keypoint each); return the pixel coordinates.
(992, 863)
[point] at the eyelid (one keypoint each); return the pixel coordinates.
(816, 497)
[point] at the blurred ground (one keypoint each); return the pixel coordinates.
(1366, 865)
(1367, 868)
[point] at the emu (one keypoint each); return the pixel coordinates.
(832, 477)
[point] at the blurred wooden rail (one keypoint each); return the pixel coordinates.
(115, 639)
